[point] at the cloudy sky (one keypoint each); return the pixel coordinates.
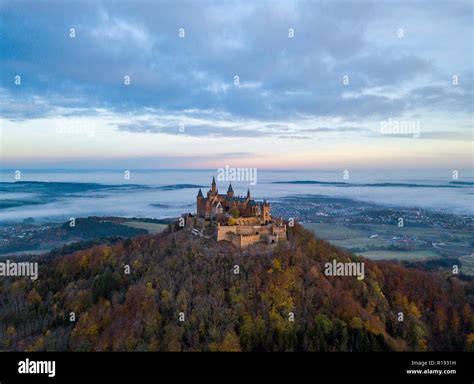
(280, 84)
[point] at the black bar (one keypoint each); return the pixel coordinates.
(83, 365)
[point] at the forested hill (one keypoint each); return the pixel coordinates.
(183, 294)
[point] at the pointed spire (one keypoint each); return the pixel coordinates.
(248, 193)
(200, 193)
(213, 185)
(230, 188)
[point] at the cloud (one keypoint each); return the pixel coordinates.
(281, 78)
(433, 135)
(206, 124)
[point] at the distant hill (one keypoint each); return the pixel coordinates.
(177, 274)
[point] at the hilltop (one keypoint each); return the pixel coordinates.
(183, 293)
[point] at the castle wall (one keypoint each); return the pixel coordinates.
(265, 231)
(246, 230)
(242, 241)
(244, 235)
(248, 221)
(241, 230)
(272, 239)
(280, 231)
(221, 231)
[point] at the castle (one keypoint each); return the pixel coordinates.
(216, 204)
(237, 219)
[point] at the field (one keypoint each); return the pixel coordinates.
(336, 231)
(392, 242)
(150, 227)
(467, 264)
(399, 255)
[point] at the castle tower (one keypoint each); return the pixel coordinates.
(266, 212)
(199, 203)
(248, 194)
(213, 185)
(230, 191)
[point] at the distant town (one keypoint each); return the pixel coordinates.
(381, 232)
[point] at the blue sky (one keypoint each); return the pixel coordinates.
(316, 99)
